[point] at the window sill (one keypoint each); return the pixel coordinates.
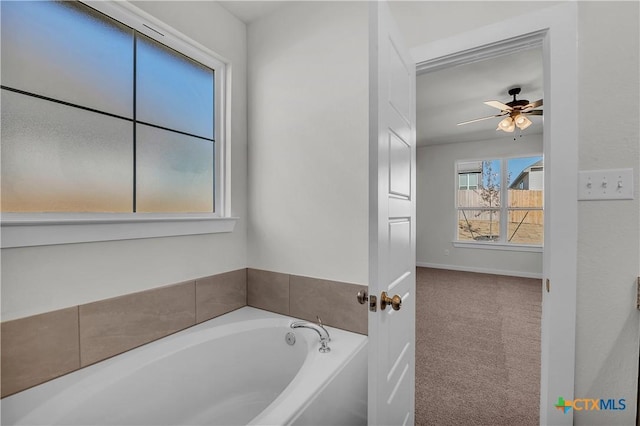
(41, 229)
(498, 246)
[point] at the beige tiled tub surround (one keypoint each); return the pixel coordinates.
(335, 303)
(42, 347)
(302, 297)
(218, 294)
(113, 326)
(268, 290)
(39, 348)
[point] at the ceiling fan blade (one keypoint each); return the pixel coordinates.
(499, 105)
(534, 112)
(532, 105)
(480, 119)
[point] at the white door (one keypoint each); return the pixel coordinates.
(392, 212)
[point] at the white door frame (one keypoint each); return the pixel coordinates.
(555, 28)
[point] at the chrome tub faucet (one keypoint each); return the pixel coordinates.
(318, 328)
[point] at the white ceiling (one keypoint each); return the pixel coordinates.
(249, 11)
(453, 95)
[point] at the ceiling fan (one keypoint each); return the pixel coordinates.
(515, 112)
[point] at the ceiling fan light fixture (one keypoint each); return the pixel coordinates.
(522, 122)
(507, 125)
(514, 113)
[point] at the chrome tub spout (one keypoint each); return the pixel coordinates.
(318, 328)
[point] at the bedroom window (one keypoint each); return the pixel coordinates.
(108, 118)
(506, 206)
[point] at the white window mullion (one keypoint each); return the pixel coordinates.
(504, 201)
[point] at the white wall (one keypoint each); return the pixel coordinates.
(608, 324)
(308, 141)
(41, 279)
(609, 231)
(426, 21)
(437, 216)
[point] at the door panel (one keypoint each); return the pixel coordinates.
(399, 166)
(399, 78)
(392, 222)
(399, 251)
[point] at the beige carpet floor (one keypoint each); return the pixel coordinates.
(477, 349)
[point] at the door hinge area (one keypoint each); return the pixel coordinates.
(548, 285)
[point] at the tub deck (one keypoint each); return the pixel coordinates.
(233, 369)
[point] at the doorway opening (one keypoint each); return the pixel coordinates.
(555, 29)
(480, 210)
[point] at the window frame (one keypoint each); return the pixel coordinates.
(468, 185)
(503, 210)
(35, 229)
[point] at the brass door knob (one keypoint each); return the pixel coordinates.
(364, 297)
(394, 301)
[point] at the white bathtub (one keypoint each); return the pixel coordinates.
(236, 369)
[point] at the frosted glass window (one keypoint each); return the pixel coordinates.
(57, 158)
(67, 51)
(174, 172)
(172, 90)
(82, 96)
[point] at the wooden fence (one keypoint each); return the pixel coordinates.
(517, 198)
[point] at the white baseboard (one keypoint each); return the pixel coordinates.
(480, 270)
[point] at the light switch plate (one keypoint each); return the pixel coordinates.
(614, 184)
